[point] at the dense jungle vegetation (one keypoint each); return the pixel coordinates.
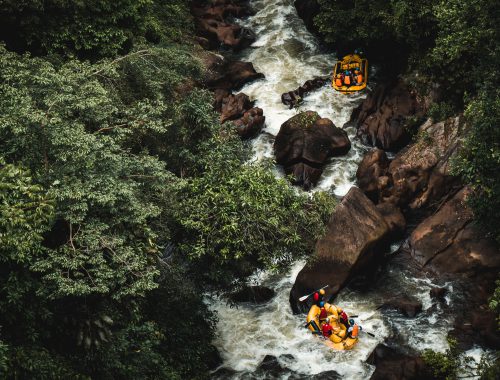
(123, 199)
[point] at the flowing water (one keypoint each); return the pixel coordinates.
(289, 55)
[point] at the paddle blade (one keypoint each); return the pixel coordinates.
(303, 298)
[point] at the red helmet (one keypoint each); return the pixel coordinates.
(316, 296)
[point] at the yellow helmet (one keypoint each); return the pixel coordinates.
(322, 292)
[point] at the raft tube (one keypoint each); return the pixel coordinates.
(351, 61)
(337, 341)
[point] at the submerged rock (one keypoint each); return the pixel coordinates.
(355, 233)
(438, 293)
(293, 98)
(408, 306)
(304, 143)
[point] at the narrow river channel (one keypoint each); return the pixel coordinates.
(289, 55)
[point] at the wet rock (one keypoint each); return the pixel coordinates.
(234, 107)
(213, 26)
(253, 294)
(394, 219)
(394, 365)
(408, 306)
(355, 233)
(219, 95)
(229, 75)
(373, 166)
(293, 98)
(449, 241)
(251, 123)
(305, 142)
(438, 293)
(383, 118)
(477, 326)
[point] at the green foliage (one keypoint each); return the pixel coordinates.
(480, 158)
(444, 365)
(441, 111)
(25, 212)
(494, 302)
(90, 29)
(452, 364)
(386, 30)
(238, 217)
(55, 122)
(465, 55)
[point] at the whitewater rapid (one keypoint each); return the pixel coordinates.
(288, 55)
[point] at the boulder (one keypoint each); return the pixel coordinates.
(293, 98)
(373, 166)
(355, 233)
(394, 365)
(229, 75)
(394, 219)
(219, 95)
(450, 242)
(253, 294)
(251, 123)
(438, 293)
(234, 107)
(419, 176)
(212, 24)
(305, 142)
(383, 119)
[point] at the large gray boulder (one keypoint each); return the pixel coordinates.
(355, 233)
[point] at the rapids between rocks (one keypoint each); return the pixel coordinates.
(287, 54)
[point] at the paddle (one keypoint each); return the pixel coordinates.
(303, 298)
(369, 333)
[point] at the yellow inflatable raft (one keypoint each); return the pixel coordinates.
(357, 67)
(340, 339)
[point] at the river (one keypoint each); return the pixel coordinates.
(289, 55)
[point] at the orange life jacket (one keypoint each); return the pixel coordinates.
(347, 80)
(355, 331)
(359, 78)
(338, 82)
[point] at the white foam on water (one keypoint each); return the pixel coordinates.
(248, 333)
